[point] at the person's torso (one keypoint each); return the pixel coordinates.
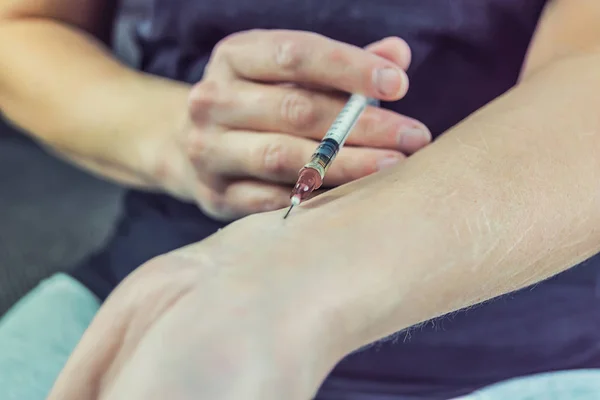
(465, 54)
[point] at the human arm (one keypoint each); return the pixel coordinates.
(505, 199)
(59, 83)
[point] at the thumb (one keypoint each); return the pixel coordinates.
(393, 49)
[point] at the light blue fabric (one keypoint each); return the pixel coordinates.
(561, 385)
(38, 334)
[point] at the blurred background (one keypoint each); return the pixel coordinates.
(51, 214)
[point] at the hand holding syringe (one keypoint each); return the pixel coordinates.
(311, 176)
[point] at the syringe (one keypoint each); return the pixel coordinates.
(311, 176)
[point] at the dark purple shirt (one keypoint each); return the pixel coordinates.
(465, 53)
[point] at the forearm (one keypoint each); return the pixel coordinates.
(63, 87)
(503, 200)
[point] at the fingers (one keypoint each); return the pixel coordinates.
(241, 198)
(275, 108)
(278, 157)
(392, 48)
(304, 57)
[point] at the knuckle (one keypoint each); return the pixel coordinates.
(207, 97)
(198, 150)
(297, 109)
(202, 99)
(290, 51)
(339, 57)
(273, 158)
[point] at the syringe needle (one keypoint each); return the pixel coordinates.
(294, 201)
(288, 211)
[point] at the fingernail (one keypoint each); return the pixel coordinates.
(413, 137)
(387, 162)
(389, 81)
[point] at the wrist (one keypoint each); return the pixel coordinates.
(160, 149)
(322, 322)
(359, 256)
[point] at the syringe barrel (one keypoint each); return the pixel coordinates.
(339, 131)
(346, 120)
(323, 156)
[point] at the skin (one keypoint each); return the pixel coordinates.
(267, 318)
(233, 143)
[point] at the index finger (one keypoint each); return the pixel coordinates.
(310, 58)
